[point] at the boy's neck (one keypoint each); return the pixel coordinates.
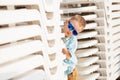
(67, 36)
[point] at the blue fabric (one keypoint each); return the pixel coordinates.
(71, 44)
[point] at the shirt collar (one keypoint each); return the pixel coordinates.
(67, 38)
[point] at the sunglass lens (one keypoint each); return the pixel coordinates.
(75, 32)
(70, 26)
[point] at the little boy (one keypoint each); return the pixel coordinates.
(71, 29)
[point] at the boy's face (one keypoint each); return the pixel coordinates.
(76, 26)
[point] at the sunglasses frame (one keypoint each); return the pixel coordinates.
(70, 26)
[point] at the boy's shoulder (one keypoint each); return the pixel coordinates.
(70, 38)
(73, 39)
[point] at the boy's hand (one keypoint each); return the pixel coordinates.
(66, 52)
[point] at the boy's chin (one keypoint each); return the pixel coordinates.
(67, 35)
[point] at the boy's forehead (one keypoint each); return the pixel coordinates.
(74, 22)
(77, 25)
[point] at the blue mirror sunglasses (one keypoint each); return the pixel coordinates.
(70, 26)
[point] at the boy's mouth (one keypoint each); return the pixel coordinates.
(67, 33)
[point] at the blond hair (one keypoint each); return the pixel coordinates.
(80, 19)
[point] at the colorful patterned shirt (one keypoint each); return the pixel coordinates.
(71, 45)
